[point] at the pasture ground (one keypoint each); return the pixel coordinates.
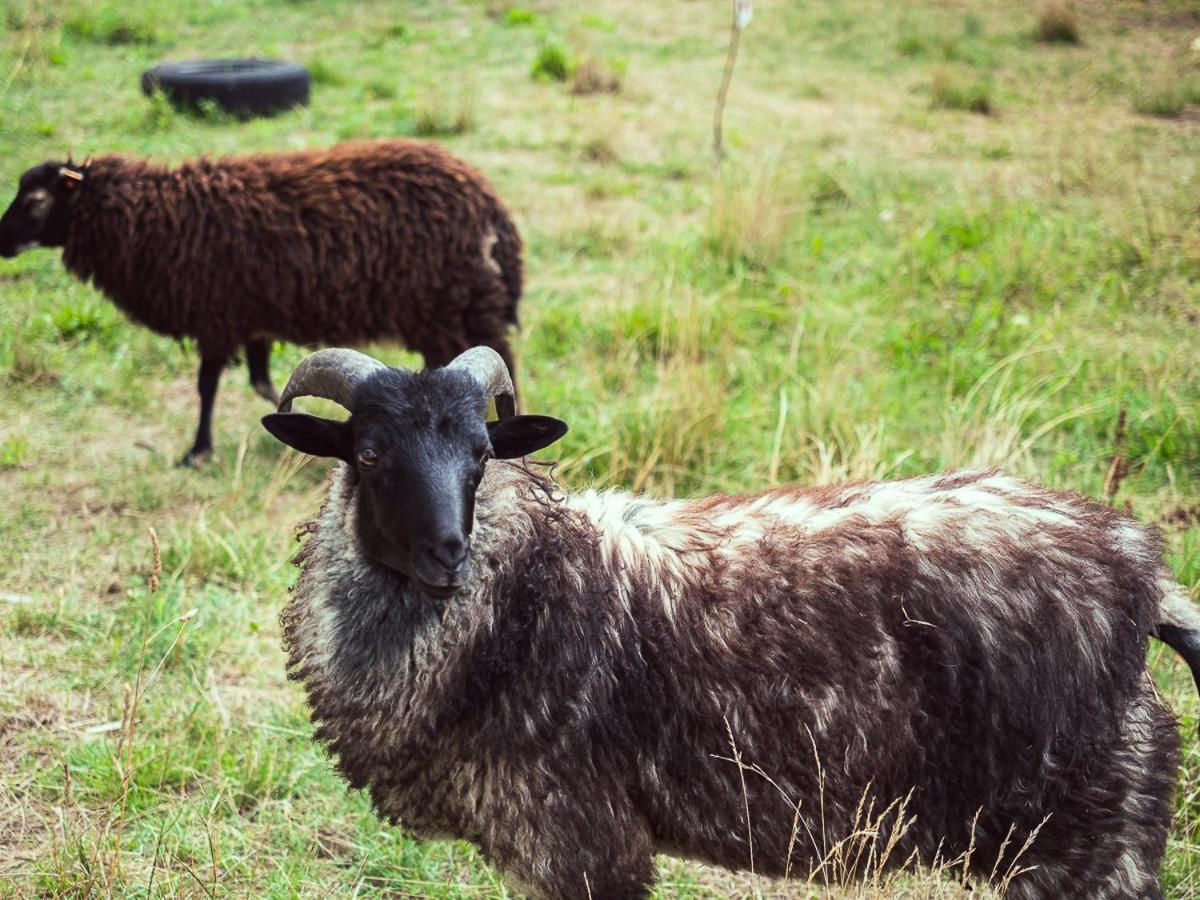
(881, 282)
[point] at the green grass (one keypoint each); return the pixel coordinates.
(118, 23)
(872, 286)
(1166, 97)
(951, 90)
(552, 63)
(440, 115)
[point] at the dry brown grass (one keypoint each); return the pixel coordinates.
(439, 113)
(593, 77)
(1058, 23)
(864, 864)
(965, 91)
(757, 204)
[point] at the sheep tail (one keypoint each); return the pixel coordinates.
(1179, 626)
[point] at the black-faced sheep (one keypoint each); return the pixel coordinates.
(360, 242)
(566, 681)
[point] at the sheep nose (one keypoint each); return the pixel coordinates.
(449, 553)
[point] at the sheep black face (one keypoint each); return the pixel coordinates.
(41, 211)
(418, 444)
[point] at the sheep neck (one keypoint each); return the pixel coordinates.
(124, 232)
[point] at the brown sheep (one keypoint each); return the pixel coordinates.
(359, 242)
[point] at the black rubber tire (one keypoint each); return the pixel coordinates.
(241, 86)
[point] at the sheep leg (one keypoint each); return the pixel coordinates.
(572, 849)
(210, 376)
(258, 361)
(1107, 837)
(550, 878)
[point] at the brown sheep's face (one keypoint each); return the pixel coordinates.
(39, 215)
(418, 444)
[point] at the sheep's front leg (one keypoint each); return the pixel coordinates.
(258, 359)
(211, 365)
(572, 848)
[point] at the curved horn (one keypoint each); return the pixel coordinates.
(332, 374)
(487, 367)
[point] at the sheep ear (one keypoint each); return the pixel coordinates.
(71, 178)
(521, 435)
(308, 434)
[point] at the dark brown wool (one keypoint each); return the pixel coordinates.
(360, 242)
(356, 242)
(973, 643)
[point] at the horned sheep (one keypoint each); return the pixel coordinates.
(574, 682)
(365, 241)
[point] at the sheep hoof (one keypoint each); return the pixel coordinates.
(195, 459)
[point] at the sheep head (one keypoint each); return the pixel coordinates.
(417, 443)
(41, 212)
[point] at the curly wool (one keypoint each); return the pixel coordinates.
(361, 241)
(967, 647)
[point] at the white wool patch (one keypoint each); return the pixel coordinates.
(487, 250)
(677, 542)
(977, 512)
(661, 538)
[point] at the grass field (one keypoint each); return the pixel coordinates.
(884, 279)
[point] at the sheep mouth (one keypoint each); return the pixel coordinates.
(438, 591)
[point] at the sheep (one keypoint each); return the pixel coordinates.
(358, 242)
(574, 682)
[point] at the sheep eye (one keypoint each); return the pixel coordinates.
(367, 456)
(38, 202)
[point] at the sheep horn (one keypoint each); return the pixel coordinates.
(487, 367)
(332, 374)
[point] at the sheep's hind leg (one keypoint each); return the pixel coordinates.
(1106, 839)
(210, 376)
(258, 361)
